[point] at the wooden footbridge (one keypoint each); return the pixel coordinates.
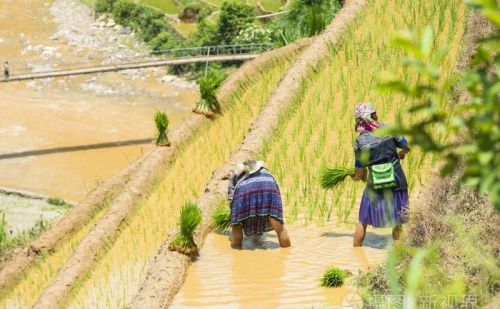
(170, 57)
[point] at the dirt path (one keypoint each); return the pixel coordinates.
(168, 270)
(153, 164)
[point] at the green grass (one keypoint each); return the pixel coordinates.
(8, 242)
(167, 6)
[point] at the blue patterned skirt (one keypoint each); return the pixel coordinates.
(256, 199)
(384, 208)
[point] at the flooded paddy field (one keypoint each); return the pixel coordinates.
(266, 276)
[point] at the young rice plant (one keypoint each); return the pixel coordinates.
(190, 218)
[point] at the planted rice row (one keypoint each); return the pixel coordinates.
(119, 271)
(320, 130)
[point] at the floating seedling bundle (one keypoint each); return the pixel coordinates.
(332, 177)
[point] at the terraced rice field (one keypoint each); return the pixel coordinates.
(315, 130)
(319, 130)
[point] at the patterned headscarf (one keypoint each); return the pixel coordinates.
(363, 115)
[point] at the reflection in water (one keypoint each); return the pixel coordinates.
(271, 277)
(66, 113)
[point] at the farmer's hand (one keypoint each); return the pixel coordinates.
(402, 155)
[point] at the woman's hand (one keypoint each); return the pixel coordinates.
(401, 154)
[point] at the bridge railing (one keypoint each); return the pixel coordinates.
(213, 50)
(176, 53)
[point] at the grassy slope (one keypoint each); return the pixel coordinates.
(125, 263)
(320, 132)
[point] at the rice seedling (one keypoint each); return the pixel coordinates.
(209, 104)
(221, 218)
(332, 177)
(161, 122)
(189, 219)
(334, 277)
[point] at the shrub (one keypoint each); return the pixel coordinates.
(124, 11)
(200, 9)
(102, 6)
(165, 40)
(334, 277)
(161, 121)
(253, 35)
(234, 17)
(206, 34)
(221, 218)
(190, 218)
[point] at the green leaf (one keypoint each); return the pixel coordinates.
(427, 40)
(493, 15)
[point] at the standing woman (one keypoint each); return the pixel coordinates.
(256, 205)
(385, 199)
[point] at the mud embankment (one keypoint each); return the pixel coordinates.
(167, 271)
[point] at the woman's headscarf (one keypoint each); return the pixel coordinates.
(363, 115)
(248, 167)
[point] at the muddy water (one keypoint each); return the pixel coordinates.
(59, 137)
(266, 276)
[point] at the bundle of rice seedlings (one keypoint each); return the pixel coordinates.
(332, 177)
(161, 121)
(190, 218)
(221, 218)
(334, 277)
(208, 104)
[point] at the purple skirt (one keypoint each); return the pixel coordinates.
(384, 208)
(256, 199)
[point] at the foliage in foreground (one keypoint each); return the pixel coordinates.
(221, 218)
(459, 270)
(332, 177)
(190, 218)
(161, 122)
(333, 277)
(474, 126)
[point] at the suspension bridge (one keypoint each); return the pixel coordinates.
(170, 57)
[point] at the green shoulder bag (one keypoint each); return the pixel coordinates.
(383, 176)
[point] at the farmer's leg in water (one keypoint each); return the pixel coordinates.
(359, 235)
(237, 237)
(396, 232)
(283, 237)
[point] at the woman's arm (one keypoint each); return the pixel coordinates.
(360, 174)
